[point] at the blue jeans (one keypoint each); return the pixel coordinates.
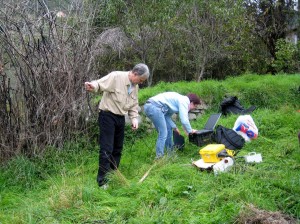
(158, 117)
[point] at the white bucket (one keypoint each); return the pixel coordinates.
(224, 165)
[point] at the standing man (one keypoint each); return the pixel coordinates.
(120, 96)
(160, 109)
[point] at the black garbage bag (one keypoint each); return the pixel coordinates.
(232, 105)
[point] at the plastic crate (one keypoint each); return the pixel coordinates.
(201, 139)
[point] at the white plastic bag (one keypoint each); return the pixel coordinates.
(245, 126)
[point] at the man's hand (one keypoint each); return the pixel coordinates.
(89, 86)
(134, 124)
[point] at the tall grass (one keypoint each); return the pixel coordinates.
(60, 186)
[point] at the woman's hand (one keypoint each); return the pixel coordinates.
(176, 130)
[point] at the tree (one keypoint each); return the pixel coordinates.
(271, 19)
(208, 28)
(148, 25)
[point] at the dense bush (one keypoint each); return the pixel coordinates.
(287, 57)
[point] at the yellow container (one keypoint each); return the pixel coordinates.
(209, 153)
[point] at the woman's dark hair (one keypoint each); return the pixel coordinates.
(193, 98)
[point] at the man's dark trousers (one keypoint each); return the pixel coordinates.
(111, 143)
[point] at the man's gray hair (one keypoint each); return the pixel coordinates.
(142, 70)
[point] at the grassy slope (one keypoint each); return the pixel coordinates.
(61, 187)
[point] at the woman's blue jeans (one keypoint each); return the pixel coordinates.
(157, 116)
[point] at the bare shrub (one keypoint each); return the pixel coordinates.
(44, 60)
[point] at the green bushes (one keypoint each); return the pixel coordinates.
(287, 57)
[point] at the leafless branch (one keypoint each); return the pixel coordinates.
(43, 64)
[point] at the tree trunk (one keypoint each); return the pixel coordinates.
(202, 69)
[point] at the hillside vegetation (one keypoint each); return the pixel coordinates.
(60, 185)
(50, 48)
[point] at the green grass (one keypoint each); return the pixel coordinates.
(60, 186)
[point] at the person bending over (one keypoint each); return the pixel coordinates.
(159, 110)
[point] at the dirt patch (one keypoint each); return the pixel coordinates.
(252, 215)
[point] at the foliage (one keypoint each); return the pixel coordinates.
(272, 21)
(196, 39)
(60, 187)
(147, 25)
(207, 28)
(286, 57)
